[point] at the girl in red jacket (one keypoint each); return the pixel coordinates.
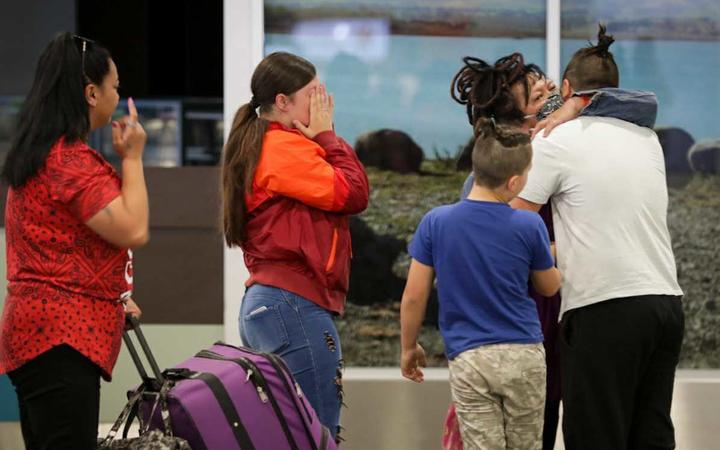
(289, 185)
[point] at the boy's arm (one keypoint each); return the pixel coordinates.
(412, 312)
(546, 282)
(543, 273)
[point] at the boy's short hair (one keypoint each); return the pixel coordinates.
(500, 152)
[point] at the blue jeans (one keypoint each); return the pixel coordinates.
(304, 335)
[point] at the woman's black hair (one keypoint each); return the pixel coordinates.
(55, 105)
(485, 89)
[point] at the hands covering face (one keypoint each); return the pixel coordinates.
(322, 106)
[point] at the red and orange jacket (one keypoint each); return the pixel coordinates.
(298, 231)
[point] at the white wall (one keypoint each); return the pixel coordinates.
(243, 49)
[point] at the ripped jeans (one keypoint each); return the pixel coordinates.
(304, 335)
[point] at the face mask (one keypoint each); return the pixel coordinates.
(552, 104)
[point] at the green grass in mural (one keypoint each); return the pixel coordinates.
(370, 334)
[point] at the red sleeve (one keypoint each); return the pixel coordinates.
(82, 180)
(328, 178)
(345, 161)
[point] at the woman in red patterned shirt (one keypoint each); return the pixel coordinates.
(69, 222)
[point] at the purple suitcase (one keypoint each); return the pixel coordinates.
(231, 398)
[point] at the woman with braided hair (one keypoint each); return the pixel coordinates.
(520, 94)
(508, 91)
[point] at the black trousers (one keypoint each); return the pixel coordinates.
(550, 425)
(618, 361)
(59, 397)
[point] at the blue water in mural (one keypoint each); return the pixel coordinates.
(685, 75)
(403, 82)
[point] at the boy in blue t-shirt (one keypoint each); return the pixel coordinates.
(483, 252)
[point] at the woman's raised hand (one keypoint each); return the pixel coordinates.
(322, 106)
(128, 135)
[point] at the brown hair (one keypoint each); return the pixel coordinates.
(593, 67)
(500, 152)
(485, 89)
(278, 73)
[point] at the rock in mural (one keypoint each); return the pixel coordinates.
(704, 157)
(372, 280)
(676, 143)
(391, 150)
(464, 158)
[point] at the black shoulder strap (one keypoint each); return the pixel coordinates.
(273, 402)
(228, 409)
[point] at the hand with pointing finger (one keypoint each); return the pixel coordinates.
(128, 135)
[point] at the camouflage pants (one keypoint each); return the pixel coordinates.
(499, 395)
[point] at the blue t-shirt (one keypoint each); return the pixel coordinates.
(482, 253)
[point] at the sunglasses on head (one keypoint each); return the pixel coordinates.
(84, 43)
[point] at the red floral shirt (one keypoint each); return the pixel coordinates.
(64, 280)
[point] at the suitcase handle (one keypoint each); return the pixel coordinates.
(152, 383)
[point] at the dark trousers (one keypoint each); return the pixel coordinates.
(549, 310)
(550, 424)
(59, 398)
(618, 362)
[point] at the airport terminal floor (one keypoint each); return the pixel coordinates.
(386, 412)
